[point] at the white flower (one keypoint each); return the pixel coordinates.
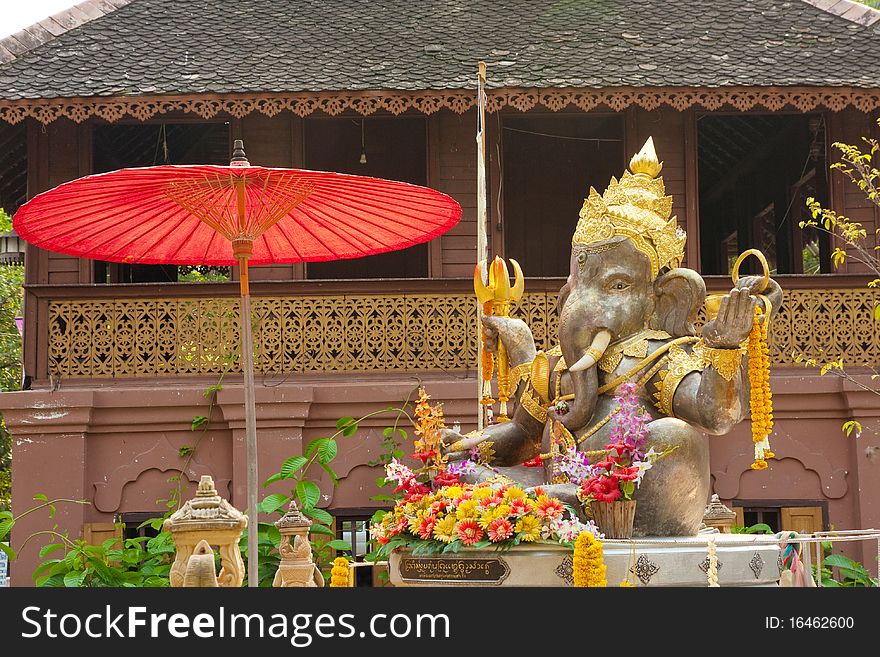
(397, 471)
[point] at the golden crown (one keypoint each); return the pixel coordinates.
(635, 207)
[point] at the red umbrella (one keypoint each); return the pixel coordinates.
(240, 214)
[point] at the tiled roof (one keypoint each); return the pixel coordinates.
(156, 47)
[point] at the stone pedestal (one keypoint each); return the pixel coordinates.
(743, 560)
(209, 518)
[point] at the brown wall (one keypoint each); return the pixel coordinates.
(116, 446)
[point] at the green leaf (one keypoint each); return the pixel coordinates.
(8, 550)
(291, 466)
(271, 480)
(313, 446)
(210, 390)
(387, 432)
(344, 422)
(271, 503)
(185, 451)
(5, 527)
(327, 451)
(321, 529)
(339, 545)
(330, 471)
(198, 421)
(40, 497)
(320, 515)
(74, 579)
(308, 493)
(49, 549)
(350, 430)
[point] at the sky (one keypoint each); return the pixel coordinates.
(16, 15)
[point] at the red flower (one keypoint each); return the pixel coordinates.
(426, 527)
(539, 491)
(520, 506)
(499, 529)
(534, 463)
(425, 456)
(469, 531)
(549, 508)
(626, 474)
(603, 489)
(442, 479)
(607, 464)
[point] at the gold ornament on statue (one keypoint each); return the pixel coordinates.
(635, 207)
(496, 298)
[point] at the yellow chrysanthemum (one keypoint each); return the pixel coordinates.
(444, 530)
(528, 528)
(514, 493)
(482, 492)
(467, 509)
(454, 492)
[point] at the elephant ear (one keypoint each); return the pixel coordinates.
(679, 295)
(563, 296)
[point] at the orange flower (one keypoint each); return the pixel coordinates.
(469, 531)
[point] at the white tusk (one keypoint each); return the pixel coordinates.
(594, 352)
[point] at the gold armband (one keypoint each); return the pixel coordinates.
(532, 405)
(521, 372)
(681, 363)
(725, 361)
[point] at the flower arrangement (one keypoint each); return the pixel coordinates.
(588, 567)
(464, 515)
(617, 476)
(339, 572)
(760, 397)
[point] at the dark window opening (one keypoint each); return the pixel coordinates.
(548, 167)
(124, 146)
(13, 166)
(769, 516)
(131, 524)
(355, 529)
(755, 174)
(390, 148)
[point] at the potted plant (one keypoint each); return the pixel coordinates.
(607, 487)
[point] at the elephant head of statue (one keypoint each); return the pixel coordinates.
(624, 277)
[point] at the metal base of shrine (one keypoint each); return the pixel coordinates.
(743, 560)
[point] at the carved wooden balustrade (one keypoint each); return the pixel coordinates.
(371, 329)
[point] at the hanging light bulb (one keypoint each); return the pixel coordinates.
(363, 159)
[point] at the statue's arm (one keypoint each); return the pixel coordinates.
(714, 399)
(512, 442)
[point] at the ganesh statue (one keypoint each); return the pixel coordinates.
(626, 315)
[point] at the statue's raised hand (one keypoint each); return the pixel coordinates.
(515, 335)
(734, 321)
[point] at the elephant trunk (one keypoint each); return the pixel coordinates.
(583, 372)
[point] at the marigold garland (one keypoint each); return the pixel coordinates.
(589, 564)
(712, 570)
(339, 573)
(761, 398)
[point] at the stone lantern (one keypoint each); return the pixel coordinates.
(209, 518)
(719, 516)
(297, 568)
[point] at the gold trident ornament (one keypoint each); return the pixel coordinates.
(495, 299)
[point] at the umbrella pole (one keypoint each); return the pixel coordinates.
(250, 422)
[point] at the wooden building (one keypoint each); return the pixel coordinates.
(743, 98)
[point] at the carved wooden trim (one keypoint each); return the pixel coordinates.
(196, 336)
(365, 103)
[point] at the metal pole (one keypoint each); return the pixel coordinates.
(482, 239)
(250, 424)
